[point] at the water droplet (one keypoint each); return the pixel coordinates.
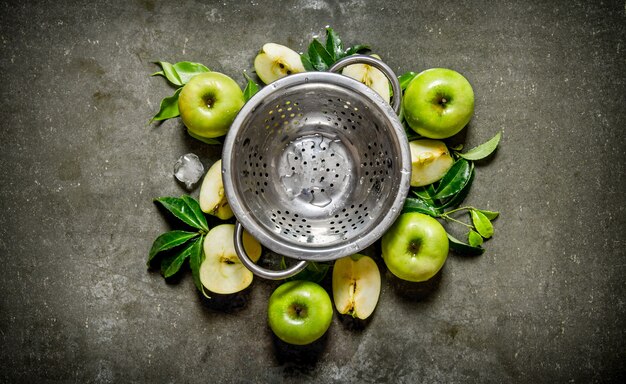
(320, 199)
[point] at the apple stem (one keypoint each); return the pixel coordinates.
(458, 209)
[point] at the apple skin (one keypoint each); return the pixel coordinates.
(415, 247)
(209, 103)
(438, 103)
(299, 312)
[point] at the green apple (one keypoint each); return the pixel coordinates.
(430, 160)
(212, 196)
(299, 312)
(222, 271)
(438, 103)
(356, 285)
(276, 61)
(415, 247)
(208, 104)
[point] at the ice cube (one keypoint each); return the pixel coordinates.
(188, 169)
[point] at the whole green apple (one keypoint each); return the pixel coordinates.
(299, 312)
(415, 247)
(209, 103)
(438, 103)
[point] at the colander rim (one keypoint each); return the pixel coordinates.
(304, 251)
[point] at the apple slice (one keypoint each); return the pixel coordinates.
(212, 197)
(369, 76)
(276, 61)
(356, 285)
(430, 160)
(222, 271)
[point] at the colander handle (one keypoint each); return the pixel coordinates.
(396, 99)
(260, 271)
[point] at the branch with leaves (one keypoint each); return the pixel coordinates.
(320, 57)
(171, 249)
(444, 198)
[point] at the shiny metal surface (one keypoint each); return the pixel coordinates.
(316, 166)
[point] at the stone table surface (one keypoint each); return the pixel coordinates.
(80, 165)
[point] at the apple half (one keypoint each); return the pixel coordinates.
(369, 76)
(430, 160)
(212, 196)
(221, 271)
(276, 61)
(356, 285)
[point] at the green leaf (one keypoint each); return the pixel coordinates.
(359, 48)
(168, 108)
(482, 224)
(457, 147)
(306, 62)
(196, 211)
(454, 180)
(204, 139)
(425, 193)
(491, 215)
(251, 88)
(405, 79)
(483, 150)
(474, 238)
(196, 259)
(169, 72)
(179, 208)
(334, 46)
(187, 69)
(319, 56)
(411, 134)
(169, 240)
(412, 204)
(463, 248)
(180, 73)
(456, 200)
(171, 266)
(422, 194)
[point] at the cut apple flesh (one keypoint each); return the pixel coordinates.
(371, 77)
(356, 285)
(212, 197)
(430, 160)
(222, 271)
(276, 61)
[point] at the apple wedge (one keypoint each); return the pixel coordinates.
(276, 61)
(369, 76)
(356, 285)
(222, 271)
(212, 197)
(430, 160)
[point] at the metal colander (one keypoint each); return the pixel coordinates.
(316, 166)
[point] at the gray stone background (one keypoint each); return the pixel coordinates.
(79, 166)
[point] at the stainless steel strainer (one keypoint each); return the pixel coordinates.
(316, 166)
